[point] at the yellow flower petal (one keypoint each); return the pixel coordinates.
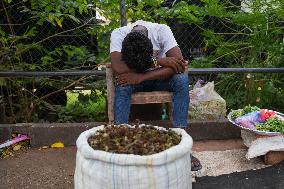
(17, 147)
(57, 145)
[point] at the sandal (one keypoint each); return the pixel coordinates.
(195, 164)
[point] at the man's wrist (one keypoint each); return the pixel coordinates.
(155, 61)
(141, 77)
(160, 62)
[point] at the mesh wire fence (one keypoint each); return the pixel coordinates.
(71, 35)
(53, 99)
(69, 47)
(68, 43)
(58, 98)
(72, 47)
(83, 98)
(190, 36)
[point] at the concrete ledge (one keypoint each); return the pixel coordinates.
(207, 130)
(45, 134)
(213, 130)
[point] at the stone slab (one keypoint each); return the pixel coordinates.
(45, 134)
(207, 130)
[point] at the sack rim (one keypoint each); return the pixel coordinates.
(166, 156)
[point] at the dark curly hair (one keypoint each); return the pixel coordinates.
(137, 51)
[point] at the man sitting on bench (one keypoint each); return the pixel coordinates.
(145, 57)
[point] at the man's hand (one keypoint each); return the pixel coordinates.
(178, 65)
(130, 78)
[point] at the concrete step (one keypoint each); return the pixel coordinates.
(218, 145)
(45, 134)
(54, 168)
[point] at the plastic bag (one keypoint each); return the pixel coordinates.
(206, 103)
(249, 120)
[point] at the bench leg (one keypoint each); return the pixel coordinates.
(170, 111)
(110, 112)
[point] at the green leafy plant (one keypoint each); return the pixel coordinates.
(245, 110)
(37, 40)
(273, 124)
(40, 45)
(252, 36)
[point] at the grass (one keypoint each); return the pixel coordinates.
(88, 109)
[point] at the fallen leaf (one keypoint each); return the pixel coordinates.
(17, 147)
(57, 145)
(43, 147)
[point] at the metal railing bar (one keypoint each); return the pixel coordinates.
(191, 71)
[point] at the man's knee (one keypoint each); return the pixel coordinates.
(180, 81)
(123, 89)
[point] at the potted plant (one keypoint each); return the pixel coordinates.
(129, 157)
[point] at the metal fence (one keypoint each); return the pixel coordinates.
(48, 40)
(73, 36)
(52, 97)
(75, 95)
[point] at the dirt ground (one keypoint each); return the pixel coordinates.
(54, 168)
(46, 168)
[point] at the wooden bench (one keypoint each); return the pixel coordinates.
(136, 98)
(274, 157)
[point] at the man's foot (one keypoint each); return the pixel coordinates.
(195, 164)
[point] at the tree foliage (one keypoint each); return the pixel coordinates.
(50, 35)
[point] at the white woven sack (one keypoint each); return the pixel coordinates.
(261, 146)
(170, 169)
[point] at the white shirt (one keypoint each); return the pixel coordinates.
(160, 35)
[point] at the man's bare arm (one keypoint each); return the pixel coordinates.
(125, 76)
(174, 52)
(173, 60)
(171, 65)
(118, 66)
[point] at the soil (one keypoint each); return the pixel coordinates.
(39, 168)
(145, 140)
(54, 169)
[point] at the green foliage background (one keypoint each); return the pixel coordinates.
(253, 38)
